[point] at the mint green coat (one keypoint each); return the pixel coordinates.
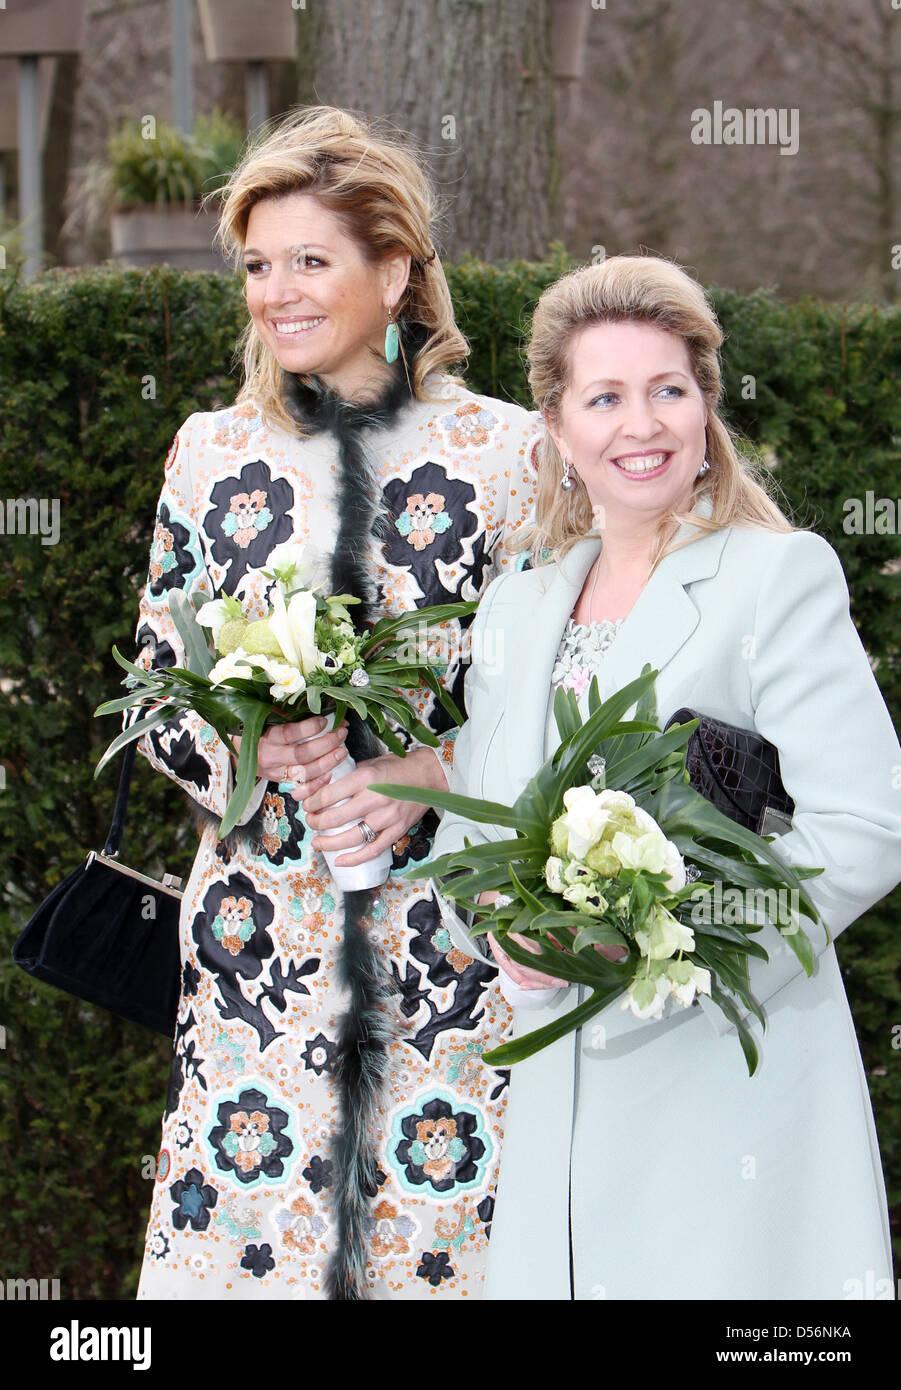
(639, 1159)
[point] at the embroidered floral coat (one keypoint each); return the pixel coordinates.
(242, 1202)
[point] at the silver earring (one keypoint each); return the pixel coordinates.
(566, 481)
(704, 468)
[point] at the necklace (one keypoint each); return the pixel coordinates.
(594, 584)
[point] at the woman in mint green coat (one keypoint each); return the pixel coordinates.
(639, 1159)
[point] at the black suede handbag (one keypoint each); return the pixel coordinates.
(109, 934)
(738, 772)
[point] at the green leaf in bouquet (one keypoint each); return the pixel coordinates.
(620, 745)
(136, 730)
(245, 779)
(138, 672)
(392, 742)
(745, 1037)
(193, 636)
(387, 629)
(741, 989)
(527, 897)
(707, 936)
(446, 700)
(566, 711)
(573, 754)
(518, 1049)
(684, 813)
(598, 934)
(474, 809)
(586, 969)
(622, 771)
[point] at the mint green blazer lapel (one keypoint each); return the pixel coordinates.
(532, 637)
(663, 616)
(660, 622)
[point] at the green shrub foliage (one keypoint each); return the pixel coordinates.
(98, 368)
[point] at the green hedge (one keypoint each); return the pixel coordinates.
(98, 368)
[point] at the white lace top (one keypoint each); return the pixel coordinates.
(579, 657)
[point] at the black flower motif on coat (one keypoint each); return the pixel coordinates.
(190, 979)
(154, 652)
(184, 1062)
(318, 1054)
(194, 1200)
(440, 1145)
(174, 744)
(485, 1212)
(174, 554)
(415, 845)
(249, 1141)
(248, 518)
(258, 1259)
(429, 517)
(318, 1173)
(443, 966)
(434, 1268)
(232, 941)
(280, 815)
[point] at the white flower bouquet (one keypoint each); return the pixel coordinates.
(614, 848)
(302, 658)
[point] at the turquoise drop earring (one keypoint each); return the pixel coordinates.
(392, 341)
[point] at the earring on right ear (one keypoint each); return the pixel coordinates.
(392, 339)
(566, 481)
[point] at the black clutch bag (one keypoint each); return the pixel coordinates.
(109, 934)
(738, 772)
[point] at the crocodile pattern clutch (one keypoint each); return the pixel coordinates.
(738, 772)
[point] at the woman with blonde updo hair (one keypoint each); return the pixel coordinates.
(654, 291)
(329, 1132)
(640, 1160)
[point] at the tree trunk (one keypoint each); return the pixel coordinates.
(484, 116)
(57, 153)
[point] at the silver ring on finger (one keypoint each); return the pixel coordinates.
(367, 832)
(299, 777)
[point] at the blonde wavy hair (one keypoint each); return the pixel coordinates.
(369, 176)
(642, 289)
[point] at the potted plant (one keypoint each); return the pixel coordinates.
(158, 178)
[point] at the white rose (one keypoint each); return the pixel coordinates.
(584, 820)
(671, 862)
(237, 663)
(287, 682)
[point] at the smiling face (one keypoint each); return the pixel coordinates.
(632, 420)
(315, 300)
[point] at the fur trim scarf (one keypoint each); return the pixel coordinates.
(365, 1031)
